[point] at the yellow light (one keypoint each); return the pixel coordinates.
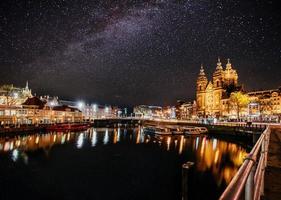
(168, 143)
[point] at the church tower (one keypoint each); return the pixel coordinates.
(26, 92)
(230, 75)
(211, 95)
(218, 82)
(201, 86)
(218, 76)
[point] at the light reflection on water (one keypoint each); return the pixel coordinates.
(219, 157)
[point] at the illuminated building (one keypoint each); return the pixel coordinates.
(265, 105)
(148, 111)
(185, 110)
(212, 97)
(92, 111)
(36, 111)
(210, 94)
(156, 112)
(14, 96)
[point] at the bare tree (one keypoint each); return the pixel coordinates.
(9, 95)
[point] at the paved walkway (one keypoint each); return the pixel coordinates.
(273, 170)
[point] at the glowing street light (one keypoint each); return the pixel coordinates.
(81, 104)
(16, 95)
(107, 109)
(95, 107)
(52, 103)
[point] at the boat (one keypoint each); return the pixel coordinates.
(195, 130)
(191, 131)
(158, 130)
(203, 129)
(67, 127)
(175, 130)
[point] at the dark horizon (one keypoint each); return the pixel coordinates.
(136, 52)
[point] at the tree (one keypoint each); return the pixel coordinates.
(7, 91)
(239, 100)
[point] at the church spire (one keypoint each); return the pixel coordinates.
(202, 72)
(26, 85)
(228, 65)
(219, 66)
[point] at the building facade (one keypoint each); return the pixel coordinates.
(265, 105)
(36, 111)
(93, 111)
(211, 93)
(146, 111)
(185, 110)
(213, 97)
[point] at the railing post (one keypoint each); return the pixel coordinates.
(263, 151)
(249, 187)
(185, 173)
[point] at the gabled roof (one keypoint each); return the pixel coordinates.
(210, 85)
(65, 108)
(34, 101)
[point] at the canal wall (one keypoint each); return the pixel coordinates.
(22, 129)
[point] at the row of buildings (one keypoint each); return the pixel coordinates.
(19, 106)
(213, 100)
(148, 112)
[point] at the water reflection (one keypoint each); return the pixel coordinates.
(80, 141)
(94, 138)
(220, 158)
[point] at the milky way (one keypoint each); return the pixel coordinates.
(136, 52)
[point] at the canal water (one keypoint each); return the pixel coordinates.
(119, 163)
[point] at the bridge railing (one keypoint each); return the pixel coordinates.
(249, 180)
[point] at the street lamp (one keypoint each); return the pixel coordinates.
(106, 109)
(95, 107)
(16, 95)
(80, 104)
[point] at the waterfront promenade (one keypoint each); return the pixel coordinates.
(273, 170)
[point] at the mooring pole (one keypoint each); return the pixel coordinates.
(185, 173)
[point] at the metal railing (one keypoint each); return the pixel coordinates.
(249, 180)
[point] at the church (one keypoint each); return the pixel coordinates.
(211, 95)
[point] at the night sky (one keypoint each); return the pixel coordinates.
(136, 52)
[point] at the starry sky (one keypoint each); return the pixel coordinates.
(136, 52)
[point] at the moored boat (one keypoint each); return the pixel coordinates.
(191, 131)
(157, 130)
(67, 127)
(194, 130)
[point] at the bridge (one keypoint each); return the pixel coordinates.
(222, 128)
